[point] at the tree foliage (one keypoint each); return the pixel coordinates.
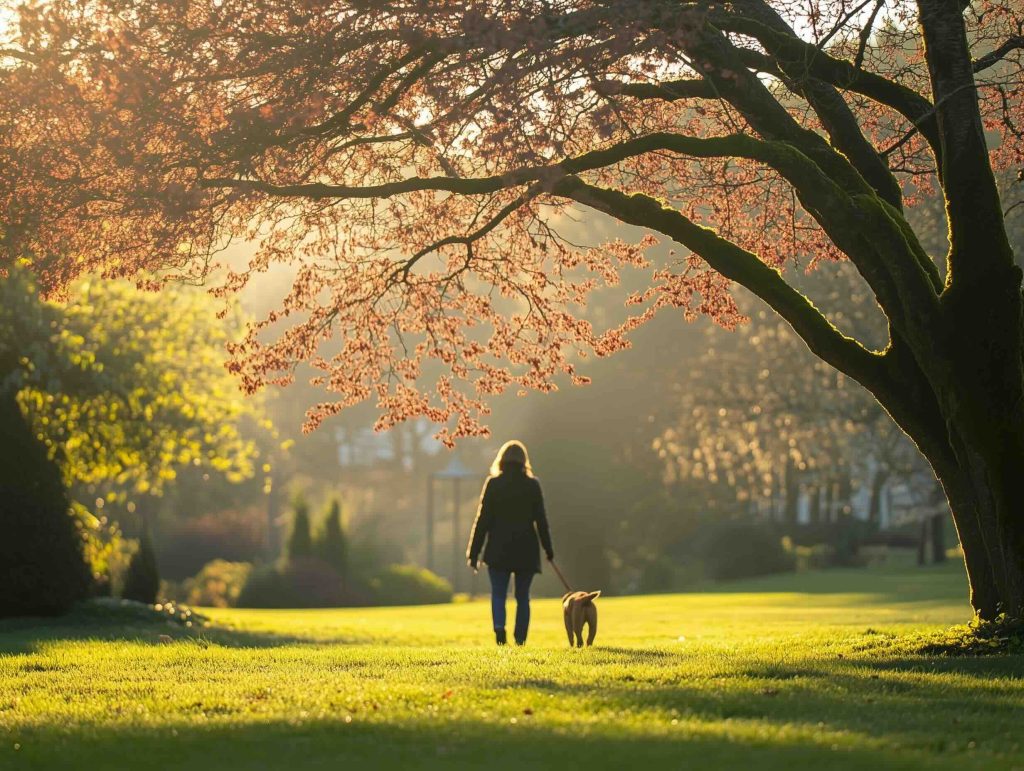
(126, 387)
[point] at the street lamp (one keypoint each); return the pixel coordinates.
(456, 471)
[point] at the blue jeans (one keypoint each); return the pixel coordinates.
(499, 590)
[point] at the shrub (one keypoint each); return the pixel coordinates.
(142, 581)
(743, 549)
(218, 585)
(832, 544)
(303, 582)
(332, 544)
(657, 575)
(300, 542)
(409, 585)
(41, 550)
(816, 557)
(44, 570)
(187, 545)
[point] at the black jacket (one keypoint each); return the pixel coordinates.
(511, 517)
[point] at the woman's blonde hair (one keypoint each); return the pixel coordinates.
(513, 452)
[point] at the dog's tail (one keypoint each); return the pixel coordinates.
(590, 597)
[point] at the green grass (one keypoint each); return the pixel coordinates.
(810, 671)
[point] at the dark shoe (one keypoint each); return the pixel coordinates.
(499, 636)
(520, 642)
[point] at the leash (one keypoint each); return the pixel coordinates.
(560, 576)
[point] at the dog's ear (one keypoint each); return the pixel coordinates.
(591, 596)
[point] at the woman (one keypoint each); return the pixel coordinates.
(511, 518)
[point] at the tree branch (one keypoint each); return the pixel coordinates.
(842, 352)
(829, 105)
(1012, 44)
(840, 73)
(979, 249)
(668, 91)
(841, 208)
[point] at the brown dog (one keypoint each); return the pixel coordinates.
(578, 608)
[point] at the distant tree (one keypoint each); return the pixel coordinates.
(300, 541)
(125, 387)
(142, 580)
(332, 543)
(760, 412)
(418, 159)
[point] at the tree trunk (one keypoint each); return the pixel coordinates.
(938, 537)
(991, 541)
(815, 508)
(878, 481)
(830, 500)
(922, 542)
(845, 492)
(792, 483)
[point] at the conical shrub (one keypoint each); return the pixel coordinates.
(142, 581)
(41, 557)
(332, 544)
(300, 542)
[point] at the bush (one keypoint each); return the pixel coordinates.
(44, 569)
(304, 582)
(816, 557)
(743, 549)
(187, 545)
(834, 544)
(218, 585)
(300, 542)
(142, 581)
(657, 575)
(409, 585)
(332, 544)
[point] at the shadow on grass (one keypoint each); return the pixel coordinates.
(332, 743)
(829, 713)
(135, 624)
(928, 704)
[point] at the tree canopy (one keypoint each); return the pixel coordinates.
(125, 387)
(417, 158)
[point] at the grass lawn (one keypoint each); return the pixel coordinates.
(810, 671)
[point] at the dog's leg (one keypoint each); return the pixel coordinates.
(577, 623)
(568, 623)
(591, 624)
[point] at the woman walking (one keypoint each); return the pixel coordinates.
(511, 519)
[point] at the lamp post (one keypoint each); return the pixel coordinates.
(456, 471)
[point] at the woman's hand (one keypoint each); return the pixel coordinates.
(473, 564)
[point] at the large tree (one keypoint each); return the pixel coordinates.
(418, 158)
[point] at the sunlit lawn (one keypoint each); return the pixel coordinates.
(810, 671)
